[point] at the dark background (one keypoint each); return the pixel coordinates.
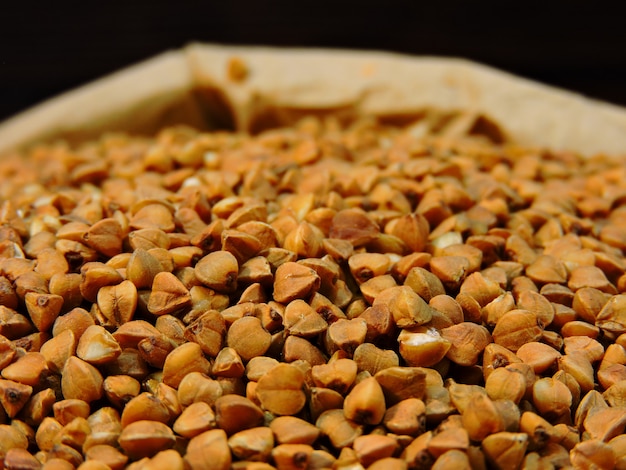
(50, 47)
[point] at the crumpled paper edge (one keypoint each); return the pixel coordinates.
(193, 86)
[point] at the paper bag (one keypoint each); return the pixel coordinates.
(254, 88)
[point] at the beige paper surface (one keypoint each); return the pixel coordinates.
(193, 86)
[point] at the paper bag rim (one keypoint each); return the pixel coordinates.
(193, 86)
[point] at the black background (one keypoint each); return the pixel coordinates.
(50, 47)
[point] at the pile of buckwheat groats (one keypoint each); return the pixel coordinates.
(321, 296)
